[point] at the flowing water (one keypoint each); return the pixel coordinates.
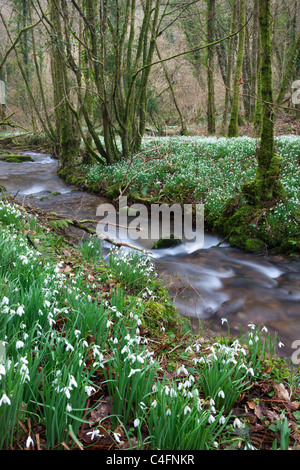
(207, 283)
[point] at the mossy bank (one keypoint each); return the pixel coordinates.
(214, 172)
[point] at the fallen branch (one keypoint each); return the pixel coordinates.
(80, 225)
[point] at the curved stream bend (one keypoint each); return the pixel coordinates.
(208, 283)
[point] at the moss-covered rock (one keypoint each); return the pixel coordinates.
(16, 158)
(167, 242)
(254, 245)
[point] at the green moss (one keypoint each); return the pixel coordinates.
(266, 185)
(291, 246)
(113, 192)
(16, 158)
(254, 245)
(163, 314)
(166, 242)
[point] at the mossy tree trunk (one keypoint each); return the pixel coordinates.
(266, 185)
(233, 128)
(211, 109)
(66, 128)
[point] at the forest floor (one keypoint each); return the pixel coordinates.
(115, 328)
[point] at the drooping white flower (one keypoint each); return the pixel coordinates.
(89, 390)
(136, 422)
(94, 433)
(29, 442)
(20, 310)
(4, 399)
(133, 371)
(117, 436)
(237, 423)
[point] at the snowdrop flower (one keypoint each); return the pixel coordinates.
(136, 422)
(168, 412)
(5, 301)
(19, 344)
(94, 433)
(69, 346)
(280, 344)
(252, 326)
(89, 390)
(224, 320)
(211, 419)
(29, 442)
(133, 371)
(4, 399)
(237, 423)
(221, 394)
(109, 323)
(69, 408)
(72, 382)
(264, 329)
(20, 310)
(182, 369)
(117, 437)
(154, 403)
(2, 369)
(187, 409)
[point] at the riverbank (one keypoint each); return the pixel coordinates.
(209, 171)
(97, 357)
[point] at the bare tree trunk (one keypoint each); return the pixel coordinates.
(229, 67)
(233, 128)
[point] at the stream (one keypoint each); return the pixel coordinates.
(207, 283)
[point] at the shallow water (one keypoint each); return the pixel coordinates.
(206, 282)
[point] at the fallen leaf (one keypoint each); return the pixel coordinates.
(252, 405)
(258, 412)
(272, 415)
(281, 391)
(102, 411)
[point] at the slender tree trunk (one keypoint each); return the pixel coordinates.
(233, 128)
(211, 110)
(183, 130)
(247, 74)
(66, 127)
(254, 60)
(229, 67)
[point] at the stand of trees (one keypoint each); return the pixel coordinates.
(87, 70)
